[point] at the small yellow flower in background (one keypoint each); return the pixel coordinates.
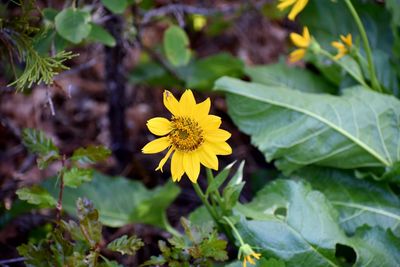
(199, 21)
(248, 255)
(302, 41)
(298, 6)
(192, 136)
(343, 46)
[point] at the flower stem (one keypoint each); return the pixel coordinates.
(235, 231)
(374, 80)
(168, 226)
(346, 68)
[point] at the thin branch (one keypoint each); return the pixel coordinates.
(60, 194)
(4, 262)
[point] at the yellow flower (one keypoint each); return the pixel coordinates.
(192, 136)
(343, 46)
(298, 6)
(248, 254)
(301, 41)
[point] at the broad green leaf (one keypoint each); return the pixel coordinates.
(297, 129)
(37, 142)
(176, 45)
(202, 73)
(36, 195)
(305, 234)
(99, 34)
(91, 154)
(359, 202)
(271, 262)
(121, 201)
(200, 216)
(115, 6)
(125, 245)
(74, 177)
(49, 13)
(280, 75)
(73, 24)
(376, 247)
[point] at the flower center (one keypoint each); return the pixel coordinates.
(186, 134)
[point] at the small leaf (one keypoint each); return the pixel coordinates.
(49, 13)
(176, 45)
(74, 177)
(125, 245)
(91, 154)
(73, 24)
(89, 221)
(99, 34)
(231, 192)
(37, 142)
(219, 179)
(115, 6)
(36, 195)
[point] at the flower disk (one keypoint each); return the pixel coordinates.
(192, 136)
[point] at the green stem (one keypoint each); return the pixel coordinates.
(210, 179)
(374, 80)
(168, 226)
(235, 231)
(346, 68)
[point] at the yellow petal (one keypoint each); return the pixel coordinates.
(285, 3)
(337, 45)
(159, 126)
(217, 135)
(208, 158)
(297, 8)
(191, 164)
(187, 103)
(297, 55)
(298, 40)
(171, 103)
(202, 109)
(177, 166)
(306, 35)
(220, 148)
(156, 146)
(256, 255)
(244, 262)
(164, 160)
(347, 39)
(250, 260)
(211, 122)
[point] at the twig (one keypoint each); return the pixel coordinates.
(4, 262)
(60, 194)
(50, 101)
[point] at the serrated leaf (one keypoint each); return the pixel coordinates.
(99, 34)
(73, 24)
(89, 221)
(176, 45)
(359, 202)
(125, 245)
(37, 142)
(121, 201)
(115, 6)
(74, 177)
(36, 195)
(293, 127)
(91, 154)
(281, 75)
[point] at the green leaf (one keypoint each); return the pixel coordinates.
(176, 45)
(376, 247)
(202, 73)
(74, 177)
(36, 195)
(91, 154)
(121, 201)
(49, 13)
(73, 24)
(280, 75)
(125, 245)
(115, 6)
(307, 233)
(99, 34)
(232, 190)
(37, 142)
(297, 129)
(219, 179)
(359, 202)
(89, 221)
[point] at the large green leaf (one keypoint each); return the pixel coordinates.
(291, 222)
(298, 129)
(358, 201)
(176, 48)
(121, 201)
(73, 24)
(280, 75)
(116, 6)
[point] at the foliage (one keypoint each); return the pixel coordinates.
(125, 245)
(175, 46)
(198, 247)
